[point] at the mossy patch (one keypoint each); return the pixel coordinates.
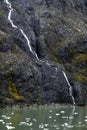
(13, 91)
(53, 42)
(52, 56)
(80, 77)
(79, 61)
(80, 58)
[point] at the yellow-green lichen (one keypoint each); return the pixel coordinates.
(80, 77)
(80, 58)
(52, 56)
(13, 91)
(81, 70)
(8, 99)
(53, 43)
(79, 62)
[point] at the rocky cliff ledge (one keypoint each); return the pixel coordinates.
(57, 30)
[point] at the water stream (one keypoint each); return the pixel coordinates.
(21, 30)
(70, 87)
(30, 48)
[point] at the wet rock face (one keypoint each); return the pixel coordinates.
(57, 31)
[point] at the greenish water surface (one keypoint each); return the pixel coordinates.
(52, 117)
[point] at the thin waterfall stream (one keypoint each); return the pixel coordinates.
(30, 48)
(21, 30)
(70, 88)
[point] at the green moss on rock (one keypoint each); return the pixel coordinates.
(80, 77)
(13, 91)
(52, 56)
(80, 58)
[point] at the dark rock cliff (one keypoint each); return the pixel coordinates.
(57, 30)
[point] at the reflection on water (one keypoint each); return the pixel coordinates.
(53, 117)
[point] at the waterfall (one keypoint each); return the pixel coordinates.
(30, 48)
(9, 18)
(28, 42)
(21, 30)
(70, 87)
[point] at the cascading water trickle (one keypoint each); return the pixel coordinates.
(9, 18)
(30, 48)
(21, 30)
(28, 42)
(70, 88)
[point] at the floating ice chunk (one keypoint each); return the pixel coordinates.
(5, 117)
(65, 117)
(41, 126)
(27, 119)
(70, 126)
(9, 123)
(46, 125)
(22, 123)
(62, 112)
(50, 117)
(9, 127)
(79, 123)
(63, 125)
(71, 117)
(12, 113)
(1, 120)
(57, 114)
(66, 124)
(55, 125)
(34, 120)
(76, 113)
(25, 123)
(30, 124)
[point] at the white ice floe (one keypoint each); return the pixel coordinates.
(6, 117)
(25, 123)
(62, 112)
(41, 126)
(50, 117)
(65, 117)
(1, 120)
(46, 125)
(9, 123)
(9, 127)
(34, 120)
(12, 113)
(57, 114)
(76, 113)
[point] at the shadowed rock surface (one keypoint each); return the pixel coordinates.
(57, 30)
